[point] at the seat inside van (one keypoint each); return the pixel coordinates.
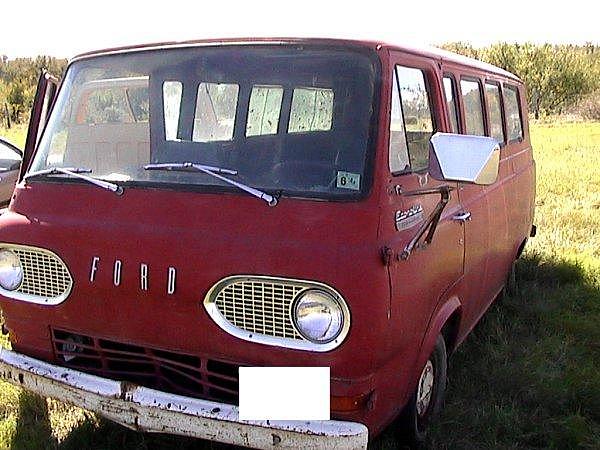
(108, 147)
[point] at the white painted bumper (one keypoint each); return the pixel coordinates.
(150, 410)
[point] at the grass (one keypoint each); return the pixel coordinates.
(15, 134)
(526, 378)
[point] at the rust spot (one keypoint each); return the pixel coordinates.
(126, 387)
(21, 378)
(276, 439)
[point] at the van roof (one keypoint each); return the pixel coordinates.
(428, 51)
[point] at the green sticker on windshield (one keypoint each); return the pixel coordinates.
(348, 180)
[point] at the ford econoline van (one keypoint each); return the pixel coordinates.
(187, 209)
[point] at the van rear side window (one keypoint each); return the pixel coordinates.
(172, 91)
(214, 119)
(449, 90)
(492, 95)
(471, 95)
(416, 110)
(264, 109)
(116, 105)
(514, 125)
(312, 110)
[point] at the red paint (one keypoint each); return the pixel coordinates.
(397, 310)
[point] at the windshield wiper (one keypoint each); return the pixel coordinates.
(77, 172)
(214, 171)
(188, 166)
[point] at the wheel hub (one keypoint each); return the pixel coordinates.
(425, 389)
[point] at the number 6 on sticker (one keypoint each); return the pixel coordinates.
(348, 180)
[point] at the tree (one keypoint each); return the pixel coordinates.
(16, 100)
(18, 79)
(556, 76)
(462, 48)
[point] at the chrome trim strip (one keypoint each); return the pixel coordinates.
(299, 344)
(31, 298)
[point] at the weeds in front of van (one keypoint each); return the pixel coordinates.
(528, 375)
(526, 378)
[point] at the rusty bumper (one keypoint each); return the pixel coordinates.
(150, 410)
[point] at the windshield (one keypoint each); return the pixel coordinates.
(292, 120)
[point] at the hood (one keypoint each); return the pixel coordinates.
(198, 239)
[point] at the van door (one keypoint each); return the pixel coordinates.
(417, 280)
(47, 88)
(486, 227)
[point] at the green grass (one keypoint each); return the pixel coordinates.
(15, 134)
(528, 376)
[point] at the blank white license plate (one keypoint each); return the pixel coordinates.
(284, 393)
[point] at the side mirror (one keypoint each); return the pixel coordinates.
(460, 157)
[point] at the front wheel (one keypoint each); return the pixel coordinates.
(428, 399)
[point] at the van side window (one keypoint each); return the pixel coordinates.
(416, 110)
(138, 99)
(514, 125)
(449, 90)
(312, 110)
(108, 105)
(263, 110)
(492, 95)
(214, 119)
(398, 151)
(171, 106)
(471, 95)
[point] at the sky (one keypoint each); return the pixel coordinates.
(66, 28)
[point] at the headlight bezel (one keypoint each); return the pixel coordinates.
(292, 339)
(11, 286)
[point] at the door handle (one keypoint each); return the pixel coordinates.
(462, 217)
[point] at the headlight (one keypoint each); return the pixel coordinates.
(11, 271)
(318, 316)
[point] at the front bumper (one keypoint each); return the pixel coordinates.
(150, 410)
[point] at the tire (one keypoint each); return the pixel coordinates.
(419, 414)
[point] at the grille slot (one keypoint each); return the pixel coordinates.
(46, 278)
(259, 306)
(177, 373)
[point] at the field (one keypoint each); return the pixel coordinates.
(528, 377)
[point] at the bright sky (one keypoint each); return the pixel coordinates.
(65, 28)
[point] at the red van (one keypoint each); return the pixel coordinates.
(187, 209)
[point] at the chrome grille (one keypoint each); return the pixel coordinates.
(259, 306)
(46, 279)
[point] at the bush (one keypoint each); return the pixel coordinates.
(589, 107)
